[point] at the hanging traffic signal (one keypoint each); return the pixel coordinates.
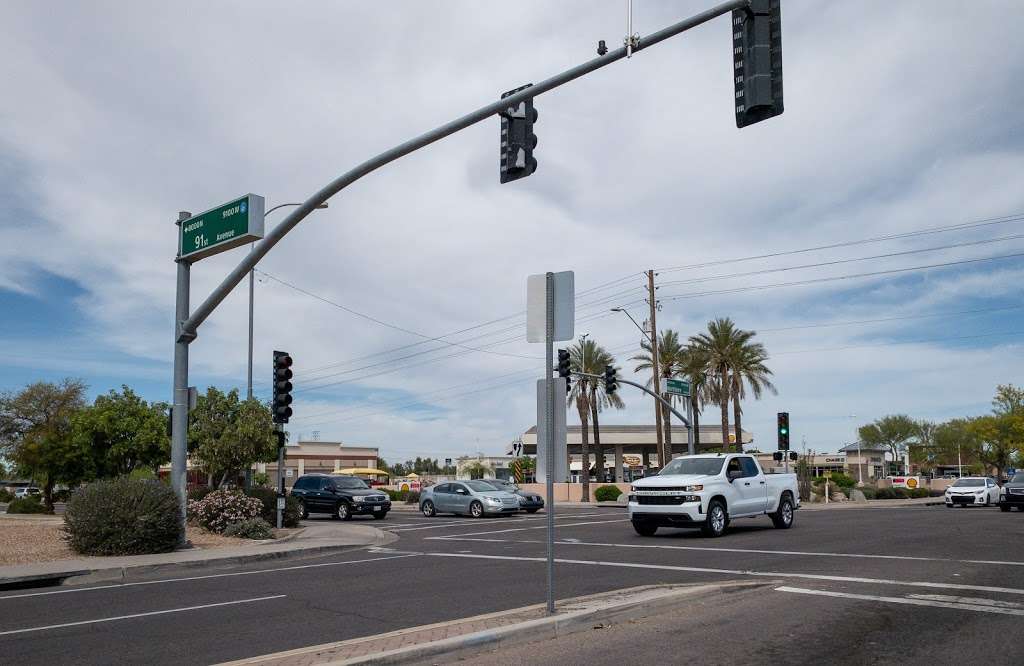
(517, 138)
(563, 367)
(783, 423)
(611, 382)
(282, 387)
(757, 61)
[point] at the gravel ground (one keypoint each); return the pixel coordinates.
(28, 540)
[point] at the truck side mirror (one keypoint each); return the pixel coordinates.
(733, 474)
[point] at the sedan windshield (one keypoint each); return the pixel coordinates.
(349, 483)
(960, 483)
(708, 466)
(480, 486)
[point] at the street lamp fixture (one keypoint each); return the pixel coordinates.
(638, 326)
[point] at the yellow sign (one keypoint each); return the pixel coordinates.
(911, 482)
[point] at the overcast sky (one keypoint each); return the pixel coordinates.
(900, 117)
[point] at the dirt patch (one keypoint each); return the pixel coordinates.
(27, 541)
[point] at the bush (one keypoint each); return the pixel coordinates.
(199, 492)
(842, 480)
(869, 492)
(30, 504)
(607, 493)
(412, 498)
(268, 497)
(260, 479)
(891, 493)
(254, 528)
(122, 517)
(222, 508)
(398, 495)
(920, 492)
(5, 495)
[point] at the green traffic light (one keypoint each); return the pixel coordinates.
(783, 431)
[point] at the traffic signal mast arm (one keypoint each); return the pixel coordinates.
(188, 328)
(646, 390)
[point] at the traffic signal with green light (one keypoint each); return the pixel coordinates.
(783, 428)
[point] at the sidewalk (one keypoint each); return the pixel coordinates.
(873, 504)
(445, 641)
(316, 538)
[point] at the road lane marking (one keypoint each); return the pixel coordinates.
(909, 601)
(535, 527)
(190, 578)
(968, 600)
(470, 521)
(742, 572)
(755, 551)
(134, 615)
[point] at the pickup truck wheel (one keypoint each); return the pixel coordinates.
(783, 517)
(714, 524)
(644, 529)
(1004, 508)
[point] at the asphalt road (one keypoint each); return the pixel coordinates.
(848, 586)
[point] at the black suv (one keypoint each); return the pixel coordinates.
(1012, 494)
(341, 496)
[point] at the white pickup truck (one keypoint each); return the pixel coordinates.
(708, 491)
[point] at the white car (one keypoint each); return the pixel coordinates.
(975, 490)
(27, 492)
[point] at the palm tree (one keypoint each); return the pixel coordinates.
(694, 367)
(748, 369)
(671, 356)
(600, 399)
(719, 347)
(589, 397)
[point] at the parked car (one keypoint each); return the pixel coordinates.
(708, 491)
(972, 490)
(474, 498)
(341, 496)
(27, 492)
(529, 501)
(1012, 494)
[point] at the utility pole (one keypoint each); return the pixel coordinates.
(663, 456)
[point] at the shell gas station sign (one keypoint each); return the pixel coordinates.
(910, 482)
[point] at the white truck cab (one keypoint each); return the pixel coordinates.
(708, 491)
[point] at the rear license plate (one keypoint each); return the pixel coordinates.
(377, 508)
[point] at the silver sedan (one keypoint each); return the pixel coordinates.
(473, 498)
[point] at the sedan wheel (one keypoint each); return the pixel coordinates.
(428, 509)
(476, 509)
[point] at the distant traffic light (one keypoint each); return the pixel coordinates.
(517, 138)
(757, 61)
(777, 456)
(563, 367)
(611, 382)
(282, 387)
(783, 423)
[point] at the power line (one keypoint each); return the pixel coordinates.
(886, 319)
(899, 342)
(1005, 219)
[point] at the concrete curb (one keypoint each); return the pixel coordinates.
(208, 559)
(574, 615)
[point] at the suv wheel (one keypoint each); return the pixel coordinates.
(714, 524)
(303, 511)
(476, 509)
(343, 512)
(428, 509)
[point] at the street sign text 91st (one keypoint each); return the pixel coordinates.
(232, 224)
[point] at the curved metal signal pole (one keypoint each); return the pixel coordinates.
(646, 390)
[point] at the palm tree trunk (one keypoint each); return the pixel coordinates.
(598, 449)
(585, 466)
(737, 411)
(696, 420)
(666, 419)
(47, 494)
(723, 402)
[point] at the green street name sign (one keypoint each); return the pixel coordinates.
(677, 387)
(232, 224)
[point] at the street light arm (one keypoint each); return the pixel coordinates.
(323, 205)
(187, 329)
(639, 328)
(657, 397)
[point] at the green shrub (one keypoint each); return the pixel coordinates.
(30, 504)
(413, 497)
(199, 492)
(607, 493)
(122, 517)
(268, 496)
(869, 492)
(260, 479)
(254, 528)
(842, 480)
(935, 492)
(222, 508)
(398, 495)
(920, 492)
(62, 495)
(892, 493)
(5, 495)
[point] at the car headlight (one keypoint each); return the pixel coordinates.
(358, 498)
(693, 489)
(493, 500)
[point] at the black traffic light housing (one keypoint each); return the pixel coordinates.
(783, 429)
(282, 387)
(777, 456)
(517, 138)
(563, 367)
(793, 456)
(757, 61)
(611, 382)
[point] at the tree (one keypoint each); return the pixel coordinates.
(476, 469)
(694, 367)
(997, 438)
(36, 434)
(229, 435)
(748, 370)
(719, 347)
(590, 397)
(1009, 400)
(124, 433)
(671, 360)
(892, 431)
(598, 358)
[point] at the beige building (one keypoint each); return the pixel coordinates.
(320, 457)
(866, 463)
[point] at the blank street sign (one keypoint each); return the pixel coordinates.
(536, 306)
